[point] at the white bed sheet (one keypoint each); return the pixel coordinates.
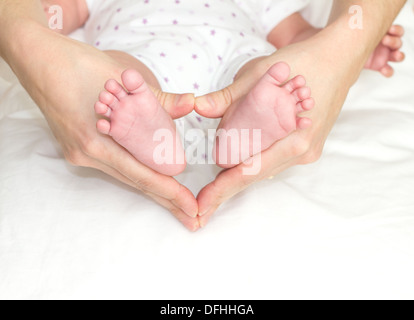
(340, 228)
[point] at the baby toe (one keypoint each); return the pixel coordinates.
(102, 109)
(393, 43)
(397, 56)
(305, 105)
(133, 81)
(279, 72)
(396, 30)
(116, 89)
(303, 123)
(295, 84)
(108, 99)
(103, 126)
(302, 94)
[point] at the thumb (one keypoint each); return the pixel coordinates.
(176, 105)
(215, 104)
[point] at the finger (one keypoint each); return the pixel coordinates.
(147, 179)
(177, 105)
(397, 56)
(227, 184)
(396, 30)
(205, 219)
(212, 196)
(215, 104)
(393, 43)
(118, 176)
(281, 156)
(191, 224)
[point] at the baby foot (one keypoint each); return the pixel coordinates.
(270, 107)
(387, 51)
(133, 119)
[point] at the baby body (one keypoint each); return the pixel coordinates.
(209, 44)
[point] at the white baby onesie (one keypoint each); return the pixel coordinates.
(267, 14)
(193, 46)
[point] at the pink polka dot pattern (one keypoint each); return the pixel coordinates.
(190, 45)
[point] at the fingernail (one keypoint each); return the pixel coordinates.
(192, 214)
(202, 224)
(204, 212)
(196, 227)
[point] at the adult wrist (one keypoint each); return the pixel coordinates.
(350, 48)
(20, 38)
(17, 18)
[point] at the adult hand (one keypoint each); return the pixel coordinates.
(64, 77)
(330, 81)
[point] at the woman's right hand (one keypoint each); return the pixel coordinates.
(64, 78)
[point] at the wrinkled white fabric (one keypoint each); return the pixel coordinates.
(340, 228)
